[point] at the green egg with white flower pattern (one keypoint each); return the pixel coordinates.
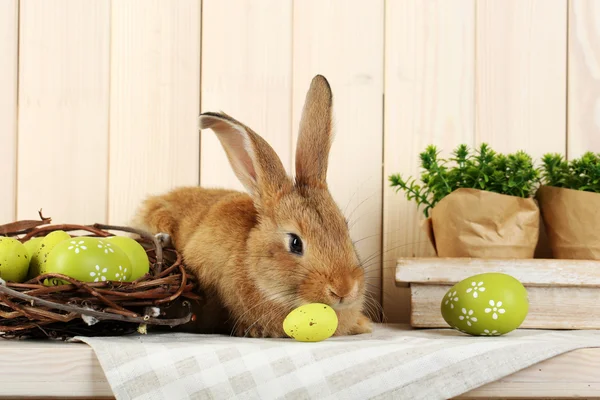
(487, 304)
(88, 259)
(140, 264)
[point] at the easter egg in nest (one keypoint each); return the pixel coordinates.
(88, 259)
(41, 254)
(312, 322)
(140, 264)
(14, 260)
(32, 245)
(487, 304)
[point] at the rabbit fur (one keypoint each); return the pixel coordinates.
(281, 244)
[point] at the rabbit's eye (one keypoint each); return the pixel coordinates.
(295, 244)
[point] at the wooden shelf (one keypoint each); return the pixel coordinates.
(563, 294)
(530, 272)
(34, 369)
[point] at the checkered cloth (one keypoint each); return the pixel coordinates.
(391, 363)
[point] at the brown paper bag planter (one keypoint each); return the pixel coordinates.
(572, 219)
(481, 224)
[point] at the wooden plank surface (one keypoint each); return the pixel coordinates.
(570, 375)
(246, 73)
(549, 307)
(429, 86)
(154, 101)
(71, 370)
(521, 79)
(43, 368)
(530, 272)
(9, 38)
(63, 109)
(327, 42)
(584, 77)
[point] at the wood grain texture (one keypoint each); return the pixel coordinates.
(154, 101)
(63, 109)
(570, 375)
(534, 272)
(521, 75)
(60, 370)
(9, 39)
(549, 307)
(246, 73)
(429, 86)
(584, 77)
(328, 41)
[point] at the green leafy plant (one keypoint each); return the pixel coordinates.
(581, 173)
(512, 174)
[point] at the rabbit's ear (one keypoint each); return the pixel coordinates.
(254, 162)
(314, 137)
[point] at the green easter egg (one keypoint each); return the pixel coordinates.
(88, 259)
(488, 304)
(40, 255)
(140, 263)
(14, 260)
(32, 245)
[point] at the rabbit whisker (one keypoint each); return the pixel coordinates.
(379, 252)
(355, 193)
(360, 204)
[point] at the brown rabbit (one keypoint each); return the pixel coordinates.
(282, 245)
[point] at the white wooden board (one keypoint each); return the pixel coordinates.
(429, 99)
(521, 70)
(584, 77)
(154, 101)
(530, 272)
(9, 22)
(327, 42)
(246, 73)
(63, 110)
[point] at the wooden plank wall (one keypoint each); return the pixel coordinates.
(99, 103)
(327, 42)
(428, 99)
(584, 77)
(154, 101)
(9, 38)
(63, 109)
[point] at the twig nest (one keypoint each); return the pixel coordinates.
(92, 287)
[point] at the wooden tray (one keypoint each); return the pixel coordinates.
(563, 294)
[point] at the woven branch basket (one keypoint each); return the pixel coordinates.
(32, 309)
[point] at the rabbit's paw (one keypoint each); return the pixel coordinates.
(362, 325)
(245, 330)
(164, 239)
(257, 331)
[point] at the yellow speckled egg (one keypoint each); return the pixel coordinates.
(312, 322)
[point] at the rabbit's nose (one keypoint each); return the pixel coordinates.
(343, 293)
